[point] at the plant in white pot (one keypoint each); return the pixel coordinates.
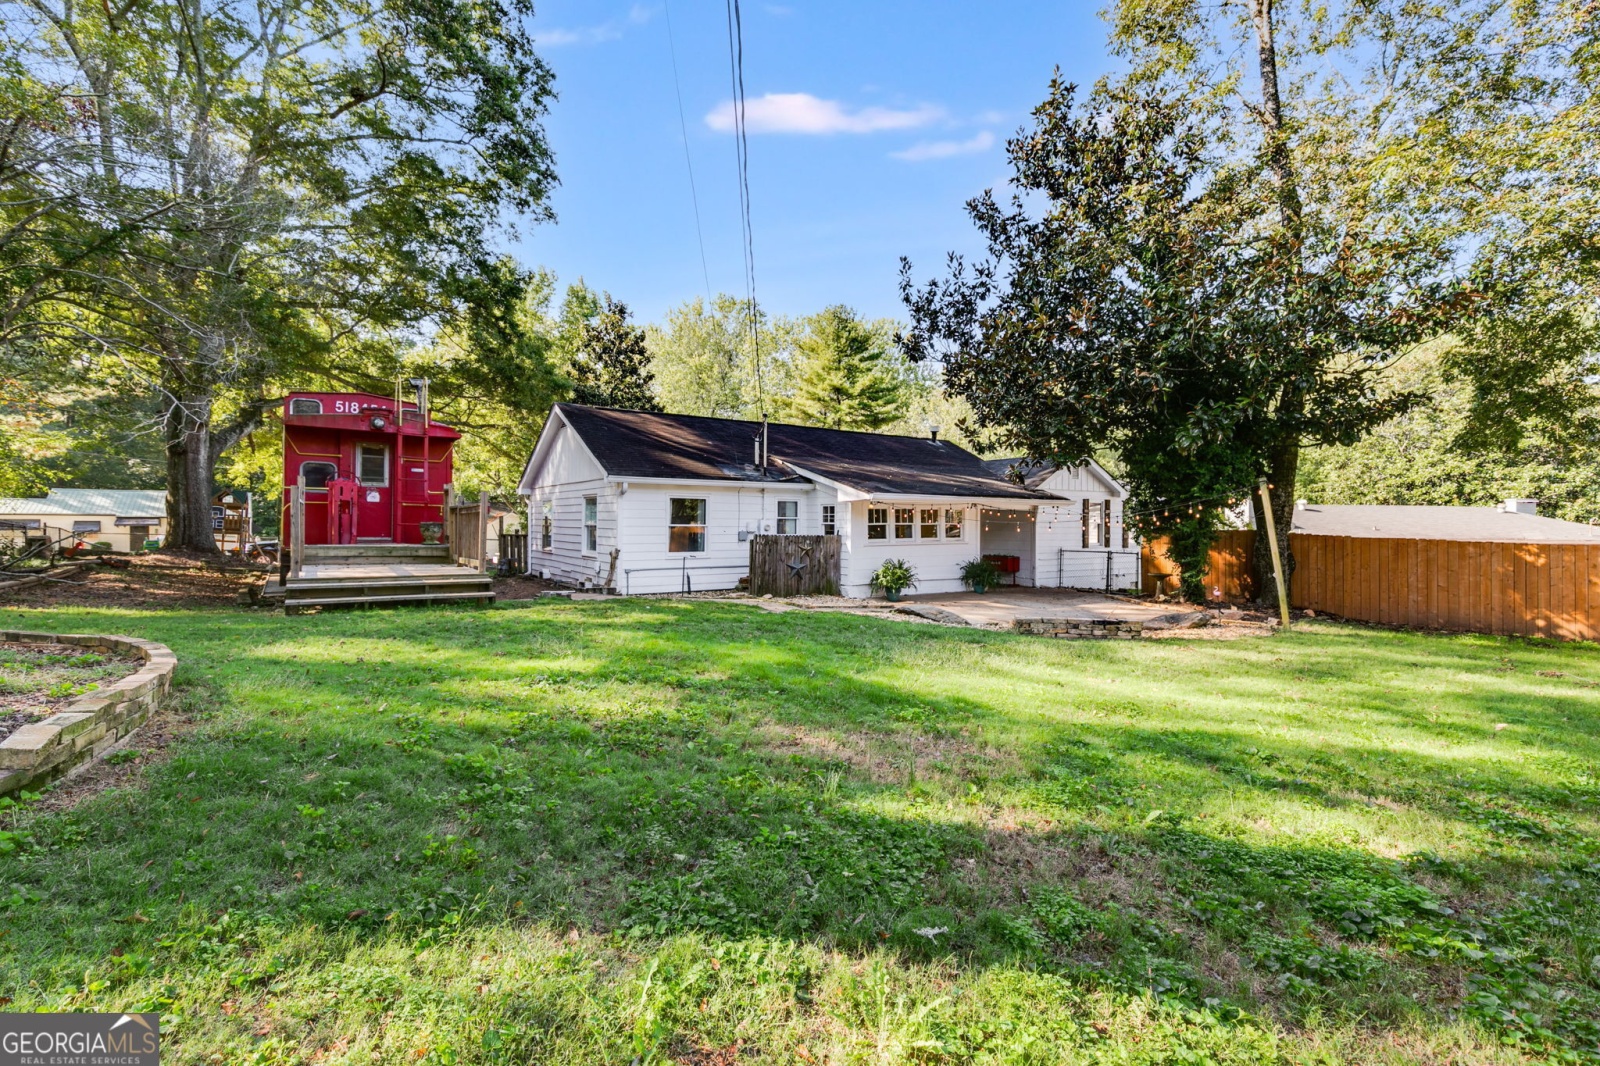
(893, 578)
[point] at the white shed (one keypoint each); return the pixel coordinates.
(641, 502)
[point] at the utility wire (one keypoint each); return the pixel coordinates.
(683, 127)
(742, 155)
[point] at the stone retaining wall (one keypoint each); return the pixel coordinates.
(69, 740)
(1078, 628)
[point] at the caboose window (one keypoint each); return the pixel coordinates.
(317, 475)
(303, 406)
(372, 464)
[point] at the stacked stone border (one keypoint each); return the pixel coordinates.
(69, 740)
(1079, 628)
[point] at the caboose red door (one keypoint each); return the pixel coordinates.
(374, 514)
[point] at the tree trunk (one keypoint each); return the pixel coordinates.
(1283, 461)
(190, 464)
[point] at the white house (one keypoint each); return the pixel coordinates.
(667, 503)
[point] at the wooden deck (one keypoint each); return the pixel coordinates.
(371, 575)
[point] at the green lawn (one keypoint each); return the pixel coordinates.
(649, 831)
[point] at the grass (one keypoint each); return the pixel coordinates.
(661, 831)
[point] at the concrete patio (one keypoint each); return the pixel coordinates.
(1002, 607)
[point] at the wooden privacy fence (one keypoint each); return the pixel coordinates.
(1227, 576)
(514, 551)
(466, 529)
(1533, 590)
(790, 565)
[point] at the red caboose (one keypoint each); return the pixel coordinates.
(375, 467)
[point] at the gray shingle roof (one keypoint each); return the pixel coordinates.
(1440, 523)
(121, 503)
(638, 444)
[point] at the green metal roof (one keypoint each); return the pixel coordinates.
(120, 503)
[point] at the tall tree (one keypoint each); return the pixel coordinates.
(845, 378)
(1167, 300)
(294, 180)
(612, 365)
(705, 356)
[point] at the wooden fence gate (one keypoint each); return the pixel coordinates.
(791, 565)
(466, 529)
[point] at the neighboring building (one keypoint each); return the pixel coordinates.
(675, 499)
(1512, 522)
(123, 518)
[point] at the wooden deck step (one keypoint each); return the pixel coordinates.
(293, 605)
(325, 554)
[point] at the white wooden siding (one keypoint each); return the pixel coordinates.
(937, 562)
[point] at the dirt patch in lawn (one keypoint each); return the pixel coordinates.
(37, 680)
(124, 766)
(165, 580)
(522, 587)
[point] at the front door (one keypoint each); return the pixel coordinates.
(374, 513)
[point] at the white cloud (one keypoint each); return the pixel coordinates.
(600, 33)
(804, 113)
(920, 153)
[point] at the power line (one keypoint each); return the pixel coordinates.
(742, 155)
(683, 127)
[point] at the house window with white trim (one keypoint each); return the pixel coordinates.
(877, 523)
(591, 523)
(954, 522)
(829, 525)
(788, 517)
(686, 525)
(547, 529)
(928, 523)
(905, 523)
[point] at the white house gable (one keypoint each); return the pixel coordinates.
(561, 458)
(1087, 479)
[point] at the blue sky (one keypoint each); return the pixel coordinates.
(871, 123)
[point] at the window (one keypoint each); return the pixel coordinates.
(85, 527)
(372, 465)
(317, 475)
(1096, 525)
(788, 517)
(1125, 534)
(591, 523)
(686, 530)
(953, 518)
(547, 529)
(303, 406)
(905, 522)
(829, 526)
(877, 523)
(928, 524)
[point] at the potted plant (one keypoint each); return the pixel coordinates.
(980, 575)
(893, 578)
(431, 532)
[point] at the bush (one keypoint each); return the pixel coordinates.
(980, 573)
(894, 577)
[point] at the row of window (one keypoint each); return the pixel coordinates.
(686, 523)
(915, 523)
